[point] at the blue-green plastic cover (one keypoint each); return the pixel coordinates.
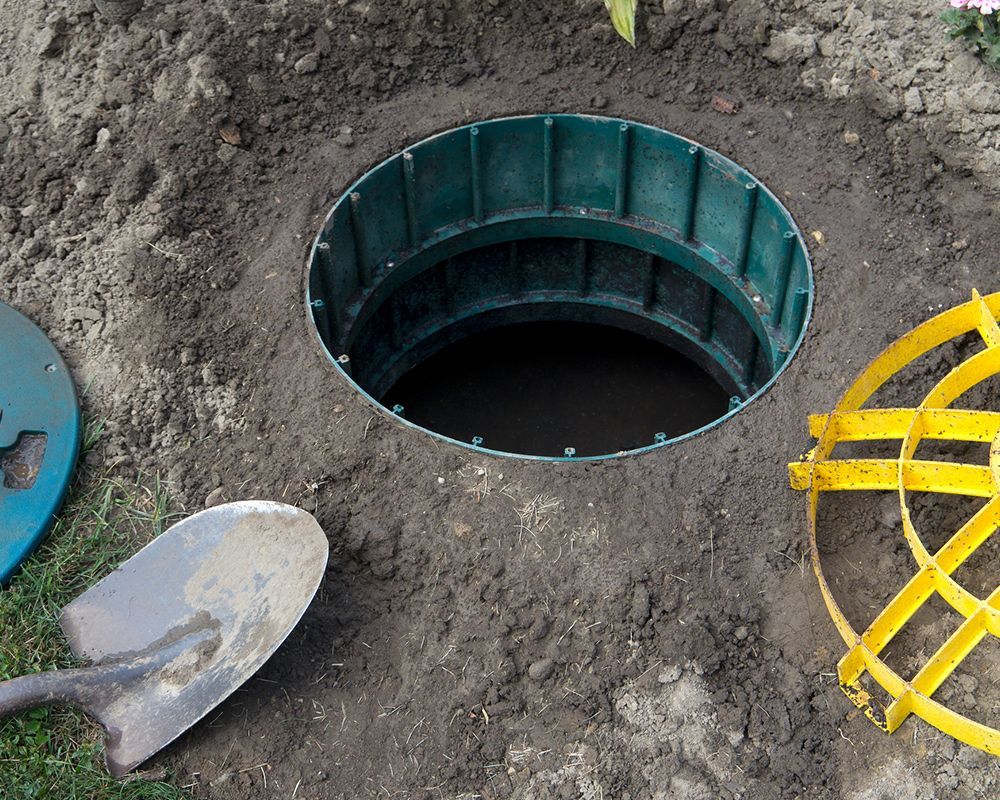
(39, 437)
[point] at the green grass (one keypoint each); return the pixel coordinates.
(58, 752)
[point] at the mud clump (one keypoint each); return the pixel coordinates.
(642, 628)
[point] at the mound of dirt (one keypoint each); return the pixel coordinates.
(629, 629)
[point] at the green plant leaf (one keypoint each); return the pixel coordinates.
(991, 55)
(958, 22)
(623, 17)
(980, 31)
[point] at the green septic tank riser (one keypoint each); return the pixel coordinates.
(560, 217)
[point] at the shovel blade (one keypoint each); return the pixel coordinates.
(217, 593)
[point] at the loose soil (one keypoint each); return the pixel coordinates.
(636, 628)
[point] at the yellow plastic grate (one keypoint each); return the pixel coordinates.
(932, 419)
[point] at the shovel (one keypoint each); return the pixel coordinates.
(181, 625)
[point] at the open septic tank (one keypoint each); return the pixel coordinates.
(560, 286)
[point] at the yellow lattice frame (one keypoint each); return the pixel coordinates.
(932, 419)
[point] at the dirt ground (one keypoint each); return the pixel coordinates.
(490, 628)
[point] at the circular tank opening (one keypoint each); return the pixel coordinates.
(559, 287)
(532, 387)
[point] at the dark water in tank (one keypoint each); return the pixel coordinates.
(537, 388)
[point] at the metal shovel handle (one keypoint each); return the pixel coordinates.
(92, 689)
(61, 686)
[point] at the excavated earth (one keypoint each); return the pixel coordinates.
(491, 628)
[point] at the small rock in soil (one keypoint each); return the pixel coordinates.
(725, 105)
(346, 137)
(49, 42)
(670, 674)
(790, 45)
(102, 140)
(541, 669)
(215, 497)
(308, 63)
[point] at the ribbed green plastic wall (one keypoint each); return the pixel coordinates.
(560, 217)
